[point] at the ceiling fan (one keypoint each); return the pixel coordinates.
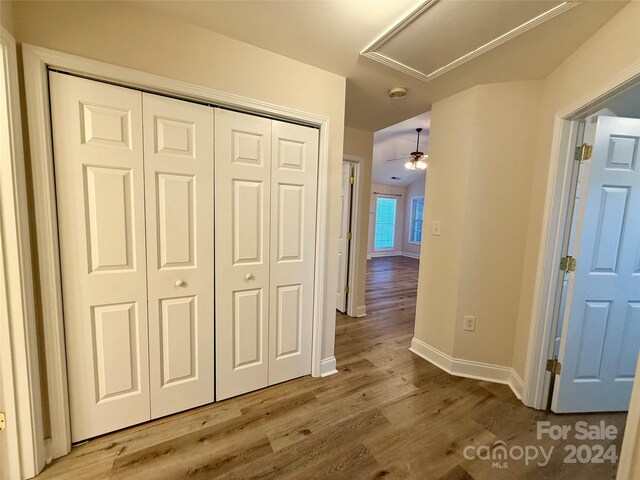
(418, 160)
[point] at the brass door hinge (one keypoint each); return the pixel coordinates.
(554, 366)
(346, 289)
(583, 152)
(352, 180)
(568, 264)
(3, 421)
(349, 235)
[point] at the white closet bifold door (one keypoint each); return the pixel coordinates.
(178, 158)
(294, 166)
(97, 137)
(243, 170)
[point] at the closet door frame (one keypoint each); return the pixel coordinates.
(37, 61)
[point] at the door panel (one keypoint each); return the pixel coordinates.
(291, 203)
(115, 329)
(176, 201)
(293, 222)
(629, 351)
(343, 241)
(248, 222)
(178, 157)
(243, 176)
(601, 334)
(179, 354)
(110, 218)
(289, 321)
(248, 322)
(97, 137)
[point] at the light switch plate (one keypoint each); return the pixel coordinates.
(436, 227)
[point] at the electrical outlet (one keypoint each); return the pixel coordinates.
(436, 227)
(469, 323)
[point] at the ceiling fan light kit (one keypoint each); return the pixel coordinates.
(418, 159)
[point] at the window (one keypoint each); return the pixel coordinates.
(417, 210)
(385, 223)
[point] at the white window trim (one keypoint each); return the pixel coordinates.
(395, 225)
(411, 213)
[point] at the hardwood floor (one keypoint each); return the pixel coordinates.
(387, 414)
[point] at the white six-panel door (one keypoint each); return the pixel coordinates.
(178, 161)
(601, 336)
(294, 166)
(97, 137)
(134, 180)
(266, 174)
(243, 191)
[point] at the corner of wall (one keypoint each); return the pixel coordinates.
(6, 16)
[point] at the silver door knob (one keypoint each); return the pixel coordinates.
(180, 283)
(248, 276)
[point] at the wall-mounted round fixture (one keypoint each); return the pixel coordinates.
(397, 92)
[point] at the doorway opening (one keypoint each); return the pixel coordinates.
(595, 333)
(348, 242)
(396, 209)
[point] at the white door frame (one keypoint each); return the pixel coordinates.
(558, 198)
(19, 381)
(37, 61)
(356, 220)
(547, 283)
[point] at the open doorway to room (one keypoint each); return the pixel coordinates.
(396, 209)
(392, 249)
(592, 336)
(597, 332)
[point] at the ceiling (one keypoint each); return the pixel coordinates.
(330, 34)
(397, 141)
(626, 103)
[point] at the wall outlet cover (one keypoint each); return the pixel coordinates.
(469, 324)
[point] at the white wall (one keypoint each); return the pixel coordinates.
(123, 34)
(478, 186)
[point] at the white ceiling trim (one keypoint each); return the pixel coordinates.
(371, 51)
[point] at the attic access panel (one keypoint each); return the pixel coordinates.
(441, 35)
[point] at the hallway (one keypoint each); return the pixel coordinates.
(430, 415)
(386, 414)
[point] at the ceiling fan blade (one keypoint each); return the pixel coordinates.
(403, 157)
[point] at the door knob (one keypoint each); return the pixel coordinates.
(180, 283)
(248, 276)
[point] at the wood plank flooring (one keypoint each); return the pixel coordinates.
(386, 414)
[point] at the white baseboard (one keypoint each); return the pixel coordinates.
(393, 253)
(328, 366)
(411, 255)
(517, 384)
(361, 311)
(468, 368)
(431, 354)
